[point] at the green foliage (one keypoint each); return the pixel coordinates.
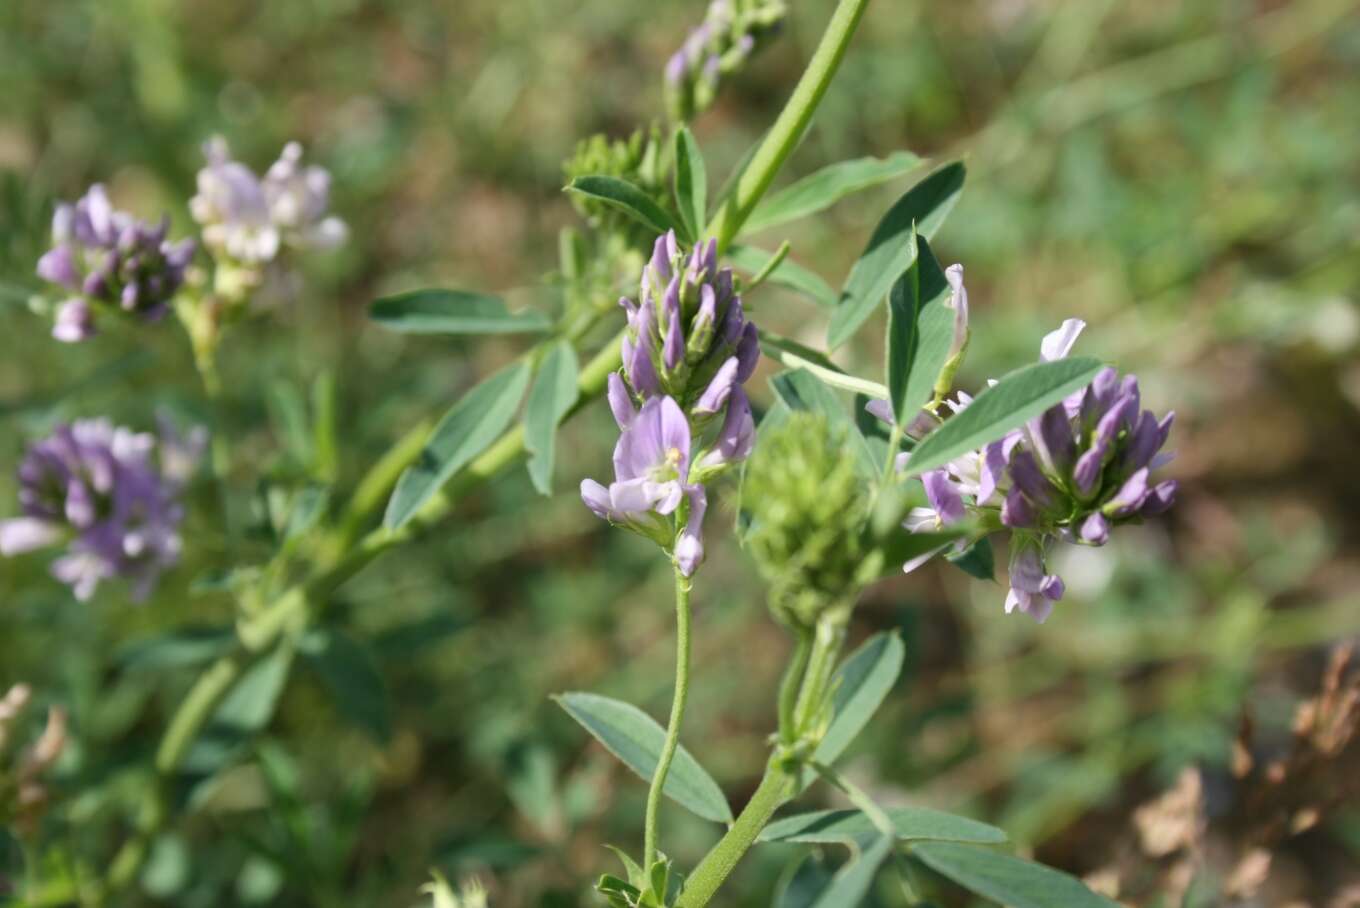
(819, 191)
(635, 738)
(635, 160)
(851, 826)
(920, 330)
(890, 252)
(1005, 879)
(553, 394)
(857, 690)
(468, 429)
(453, 312)
(628, 199)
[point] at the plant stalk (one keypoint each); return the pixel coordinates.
(672, 742)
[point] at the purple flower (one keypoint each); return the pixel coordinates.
(1092, 458)
(249, 220)
(108, 259)
(651, 480)
(1032, 589)
(104, 491)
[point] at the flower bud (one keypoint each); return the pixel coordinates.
(807, 506)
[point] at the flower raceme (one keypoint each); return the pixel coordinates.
(111, 494)
(686, 354)
(731, 32)
(1071, 474)
(111, 261)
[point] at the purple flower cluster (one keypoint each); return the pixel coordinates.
(1072, 474)
(111, 494)
(731, 32)
(249, 220)
(687, 352)
(109, 258)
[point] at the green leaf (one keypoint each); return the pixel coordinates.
(251, 703)
(860, 685)
(798, 887)
(552, 395)
(691, 182)
(176, 649)
(467, 430)
(978, 560)
(920, 333)
(851, 883)
(1018, 397)
(453, 312)
(789, 274)
(794, 355)
(629, 199)
(1005, 879)
(901, 546)
(636, 739)
(801, 390)
(351, 676)
(827, 186)
(910, 823)
(890, 251)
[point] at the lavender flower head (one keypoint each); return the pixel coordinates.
(680, 405)
(732, 31)
(248, 221)
(110, 495)
(108, 259)
(1072, 474)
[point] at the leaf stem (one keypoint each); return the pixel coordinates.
(672, 742)
(792, 123)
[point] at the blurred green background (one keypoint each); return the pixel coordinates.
(1183, 176)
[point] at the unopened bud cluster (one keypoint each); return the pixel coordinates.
(807, 507)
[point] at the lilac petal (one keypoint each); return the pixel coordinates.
(638, 358)
(881, 409)
(737, 436)
(1057, 344)
(1160, 499)
(630, 308)
(1016, 511)
(1130, 496)
(638, 496)
(958, 301)
(1095, 529)
(74, 322)
(1030, 479)
(1116, 418)
(674, 351)
(82, 571)
(640, 450)
(1143, 442)
(1086, 474)
(718, 390)
(1036, 606)
(1052, 587)
(620, 401)
(80, 507)
(689, 547)
(748, 352)
(1052, 437)
(995, 458)
(944, 497)
(676, 66)
(675, 436)
(58, 266)
(1164, 428)
(25, 534)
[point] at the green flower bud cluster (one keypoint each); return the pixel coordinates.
(807, 506)
(637, 159)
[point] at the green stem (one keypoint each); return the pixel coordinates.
(826, 647)
(778, 785)
(793, 122)
(672, 742)
(792, 683)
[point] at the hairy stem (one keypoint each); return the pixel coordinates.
(778, 785)
(792, 683)
(672, 742)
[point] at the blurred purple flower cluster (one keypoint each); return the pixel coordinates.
(112, 495)
(109, 259)
(249, 220)
(687, 352)
(731, 32)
